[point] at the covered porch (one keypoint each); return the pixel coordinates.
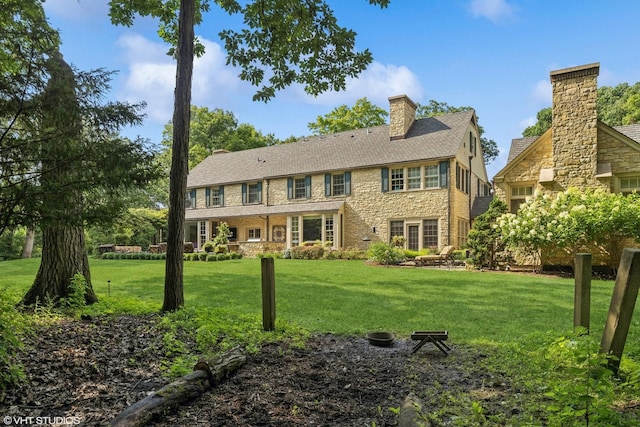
(260, 228)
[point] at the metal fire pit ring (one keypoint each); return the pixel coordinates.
(380, 339)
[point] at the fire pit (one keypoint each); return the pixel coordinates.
(380, 339)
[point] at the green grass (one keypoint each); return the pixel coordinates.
(350, 297)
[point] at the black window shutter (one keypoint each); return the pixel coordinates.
(444, 173)
(347, 183)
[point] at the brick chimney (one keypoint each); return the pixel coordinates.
(575, 119)
(402, 114)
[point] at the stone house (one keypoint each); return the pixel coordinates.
(419, 179)
(577, 151)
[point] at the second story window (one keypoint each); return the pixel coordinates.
(215, 196)
(337, 184)
(429, 176)
(299, 188)
(252, 193)
(190, 202)
(462, 178)
(397, 179)
(414, 178)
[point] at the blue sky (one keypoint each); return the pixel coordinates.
(493, 55)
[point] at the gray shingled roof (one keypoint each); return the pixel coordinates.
(518, 145)
(431, 138)
(480, 205)
(631, 131)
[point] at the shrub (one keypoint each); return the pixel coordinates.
(209, 246)
(410, 254)
(385, 253)
(76, 291)
(212, 257)
(484, 238)
(202, 256)
(307, 252)
(12, 326)
(221, 256)
(236, 255)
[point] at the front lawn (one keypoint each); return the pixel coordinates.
(520, 322)
(350, 297)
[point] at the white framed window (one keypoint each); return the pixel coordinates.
(397, 179)
(190, 202)
(300, 190)
(518, 196)
(328, 230)
(431, 176)
(630, 184)
(414, 178)
(203, 233)
(337, 185)
(215, 196)
(253, 234)
(430, 233)
(295, 230)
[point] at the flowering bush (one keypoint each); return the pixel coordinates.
(572, 219)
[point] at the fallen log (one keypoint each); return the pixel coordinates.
(411, 413)
(206, 374)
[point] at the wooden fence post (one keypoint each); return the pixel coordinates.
(623, 301)
(582, 292)
(268, 295)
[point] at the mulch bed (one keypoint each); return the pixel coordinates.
(91, 370)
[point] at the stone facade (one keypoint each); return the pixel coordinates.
(577, 152)
(300, 207)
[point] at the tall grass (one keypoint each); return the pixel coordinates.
(350, 297)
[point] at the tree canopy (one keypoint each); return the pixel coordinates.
(216, 129)
(280, 43)
(617, 105)
(362, 115)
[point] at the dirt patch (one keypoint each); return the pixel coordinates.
(91, 370)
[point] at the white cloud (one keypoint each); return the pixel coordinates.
(150, 77)
(494, 10)
(377, 83)
(541, 92)
(529, 121)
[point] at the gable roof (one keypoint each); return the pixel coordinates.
(428, 139)
(518, 145)
(630, 131)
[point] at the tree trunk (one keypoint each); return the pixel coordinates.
(173, 281)
(63, 255)
(205, 375)
(27, 249)
(63, 247)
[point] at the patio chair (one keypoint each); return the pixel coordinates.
(445, 255)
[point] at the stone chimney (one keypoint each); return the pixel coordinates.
(575, 119)
(402, 114)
